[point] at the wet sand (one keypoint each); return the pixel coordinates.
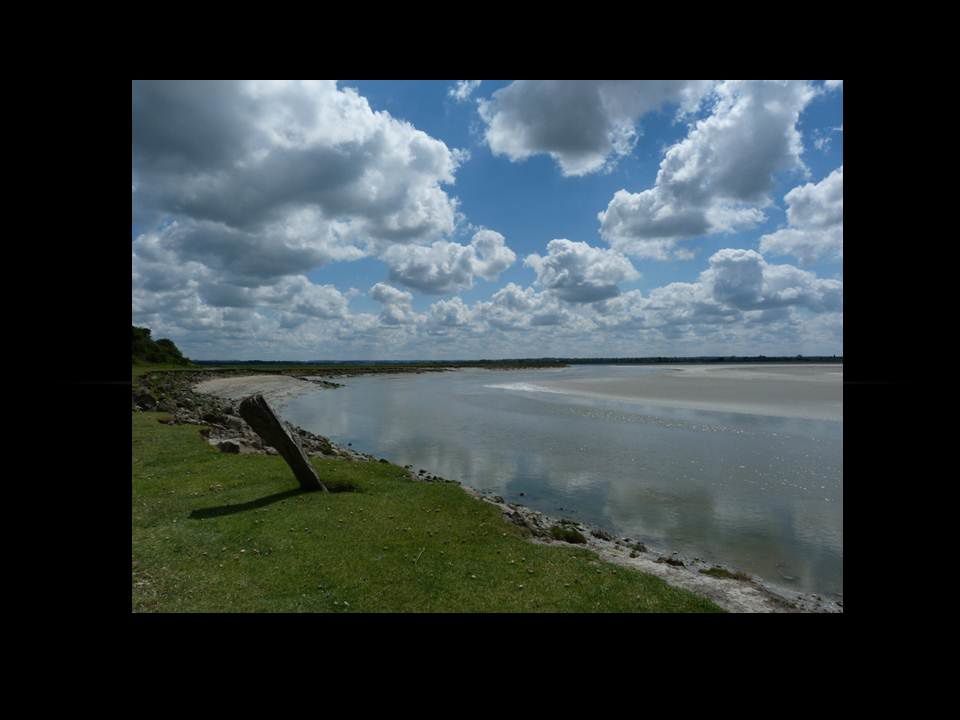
(814, 392)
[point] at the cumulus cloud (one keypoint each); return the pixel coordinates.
(247, 153)
(719, 177)
(397, 305)
(445, 267)
(514, 308)
(739, 296)
(241, 188)
(742, 279)
(579, 273)
(463, 89)
(584, 125)
(814, 222)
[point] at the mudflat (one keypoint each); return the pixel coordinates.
(813, 392)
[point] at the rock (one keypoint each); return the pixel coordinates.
(229, 446)
(146, 401)
(671, 561)
(233, 422)
(602, 534)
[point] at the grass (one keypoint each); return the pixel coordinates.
(214, 532)
(142, 368)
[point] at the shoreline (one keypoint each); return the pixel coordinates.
(230, 435)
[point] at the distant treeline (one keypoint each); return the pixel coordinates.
(162, 351)
(540, 362)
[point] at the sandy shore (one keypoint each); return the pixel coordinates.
(276, 389)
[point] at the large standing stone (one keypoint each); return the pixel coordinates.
(260, 416)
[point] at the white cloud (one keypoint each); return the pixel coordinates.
(719, 177)
(397, 305)
(445, 267)
(514, 308)
(247, 154)
(815, 222)
(584, 125)
(742, 279)
(463, 89)
(241, 188)
(833, 84)
(577, 272)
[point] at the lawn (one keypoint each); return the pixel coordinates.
(214, 532)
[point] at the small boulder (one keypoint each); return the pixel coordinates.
(671, 561)
(146, 401)
(233, 422)
(229, 446)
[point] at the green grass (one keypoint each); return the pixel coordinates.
(232, 533)
(142, 368)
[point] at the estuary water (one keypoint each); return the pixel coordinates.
(735, 464)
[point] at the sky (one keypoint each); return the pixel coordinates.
(467, 219)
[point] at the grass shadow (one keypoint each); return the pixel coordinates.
(243, 507)
(335, 486)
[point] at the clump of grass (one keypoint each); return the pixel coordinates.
(339, 485)
(567, 534)
(719, 572)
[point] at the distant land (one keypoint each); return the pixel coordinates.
(553, 361)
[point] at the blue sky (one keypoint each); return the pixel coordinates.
(366, 219)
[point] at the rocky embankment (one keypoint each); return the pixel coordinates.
(732, 590)
(174, 393)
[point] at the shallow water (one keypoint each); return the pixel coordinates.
(735, 464)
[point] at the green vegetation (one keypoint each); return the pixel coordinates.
(719, 572)
(157, 352)
(214, 532)
(567, 534)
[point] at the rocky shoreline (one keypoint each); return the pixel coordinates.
(177, 394)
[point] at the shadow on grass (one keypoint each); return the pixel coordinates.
(243, 507)
(334, 487)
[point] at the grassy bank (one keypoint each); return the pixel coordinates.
(214, 532)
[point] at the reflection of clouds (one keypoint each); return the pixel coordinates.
(739, 489)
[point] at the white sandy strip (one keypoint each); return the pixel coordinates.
(812, 392)
(276, 389)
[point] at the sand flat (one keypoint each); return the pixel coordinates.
(277, 389)
(804, 391)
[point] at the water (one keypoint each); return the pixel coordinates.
(742, 466)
